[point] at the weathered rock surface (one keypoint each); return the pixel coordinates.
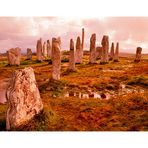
(39, 50)
(29, 54)
(98, 52)
(105, 48)
(92, 58)
(56, 58)
(138, 54)
(83, 35)
(44, 50)
(79, 51)
(48, 49)
(116, 55)
(23, 98)
(112, 52)
(14, 55)
(72, 56)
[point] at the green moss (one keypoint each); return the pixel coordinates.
(138, 80)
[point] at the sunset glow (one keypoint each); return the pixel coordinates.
(24, 31)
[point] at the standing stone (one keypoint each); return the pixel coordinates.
(116, 55)
(39, 50)
(14, 55)
(98, 52)
(23, 98)
(112, 52)
(72, 56)
(105, 48)
(56, 58)
(92, 59)
(48, 49)
(29, 54)
(138, 54)
(83, 38)
(44, 50)
(79, 51)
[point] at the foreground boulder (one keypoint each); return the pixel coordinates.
(23, 98)
(14, 55)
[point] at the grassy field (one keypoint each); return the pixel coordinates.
(122, 112)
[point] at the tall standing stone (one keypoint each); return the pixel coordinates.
(23, 98)
(112, 52)
(56, 58)
(92, 59)
(83, 34)
(14, 55)
(44, 50)
(98, 52)
(72, 56)
(79, 51)
(138, 54)
(116, 55)
(48, 49)
(39, 50)
(105, 48)
(29, 54)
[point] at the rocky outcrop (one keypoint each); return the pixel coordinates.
(23, 98)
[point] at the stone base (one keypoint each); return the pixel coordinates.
(102, 63)
(110, 59)
(116, 60)
(136, 61)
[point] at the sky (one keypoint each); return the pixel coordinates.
(24, 32)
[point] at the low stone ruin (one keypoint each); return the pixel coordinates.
(14, 55)
(23, 98)
(56, 58)
(29, 54)
(138, 54)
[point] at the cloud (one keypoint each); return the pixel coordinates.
(24, 31)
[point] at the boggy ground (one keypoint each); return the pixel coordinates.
(125, 110)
